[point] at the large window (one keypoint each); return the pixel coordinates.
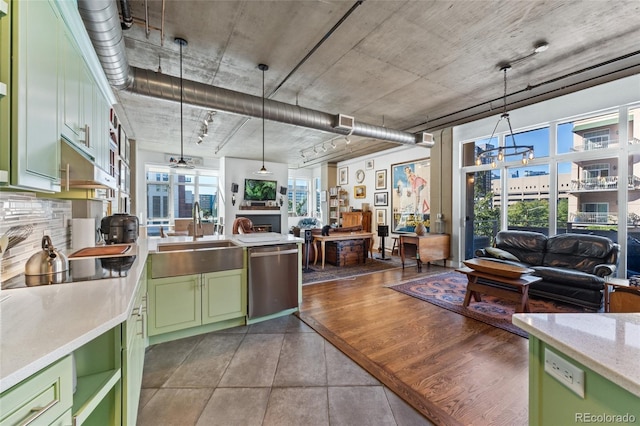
(298, 193)
(172, 196)
(577, 182)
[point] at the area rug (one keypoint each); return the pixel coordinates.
(447, 291)
(331, 272)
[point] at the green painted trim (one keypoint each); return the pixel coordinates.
(194, 331)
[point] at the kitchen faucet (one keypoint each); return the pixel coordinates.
(197, 222)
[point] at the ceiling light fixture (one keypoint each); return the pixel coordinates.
(181, 164)
(498, 154)
(263, 170)
(347, 140)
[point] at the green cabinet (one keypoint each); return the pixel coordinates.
(44, 398)
(34, 134)
(134, 344)
(224, 296)
(552, 403)
(178, 303)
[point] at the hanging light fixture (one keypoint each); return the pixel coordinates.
(498, 154)
(181, 164)
(263, 170)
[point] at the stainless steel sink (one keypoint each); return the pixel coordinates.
(194, 245)
(195, 257)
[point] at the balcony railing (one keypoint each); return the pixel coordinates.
(603, 183)
(592, 217)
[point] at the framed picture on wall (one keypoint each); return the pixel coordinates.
(368, 165)
(410, 195)
(343, 176)
(380, 199)
(360, 191)
(381, 216)
(381, 179)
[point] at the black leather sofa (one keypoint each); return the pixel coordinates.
(572, 266)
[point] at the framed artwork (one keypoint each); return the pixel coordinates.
(381, 179)
(381, 199)
(381, 216)
(368, 165)
(359, 191)
(343, 175)
(410, 195)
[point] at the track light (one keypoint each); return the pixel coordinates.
(199, 141)
(205, 130)
(347, 140)
(324, 148)
(333, 145)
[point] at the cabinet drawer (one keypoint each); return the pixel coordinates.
(41, 399)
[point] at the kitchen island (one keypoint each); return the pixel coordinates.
(43, 325)
(583, 368)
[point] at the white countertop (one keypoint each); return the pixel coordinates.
(608, 344)
(40, 325)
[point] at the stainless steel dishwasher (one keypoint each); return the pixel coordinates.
(273, 279)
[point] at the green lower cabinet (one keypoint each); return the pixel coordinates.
(179, 303)
(551, 403)
(174, 304)
(134, 343)
(224, 296)
(42, 399)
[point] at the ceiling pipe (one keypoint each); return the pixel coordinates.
(127, 19)
(102, 23)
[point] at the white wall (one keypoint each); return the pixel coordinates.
(381, 161)
(235, 170)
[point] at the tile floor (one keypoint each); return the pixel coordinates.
(278, 372)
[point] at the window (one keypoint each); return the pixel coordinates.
(298, 194)
(596, 140)
(172, 196)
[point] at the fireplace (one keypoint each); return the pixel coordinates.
(264, 222)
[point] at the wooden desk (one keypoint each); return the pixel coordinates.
(340, 236)
(627, 300)
(430, 247)
(520, 292)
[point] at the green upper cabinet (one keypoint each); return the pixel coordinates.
(34, 141)
(71, 90)
(54, 88)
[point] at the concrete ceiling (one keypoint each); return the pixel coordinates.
(408, 65)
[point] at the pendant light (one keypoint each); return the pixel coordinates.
(181, 164)
(495, 155)
(263, 170)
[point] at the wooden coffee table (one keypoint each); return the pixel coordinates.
(514, 280)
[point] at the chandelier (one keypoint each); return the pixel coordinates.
(498, 154)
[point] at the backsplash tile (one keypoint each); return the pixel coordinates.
(47, 216)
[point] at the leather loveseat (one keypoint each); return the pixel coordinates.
(572, 266)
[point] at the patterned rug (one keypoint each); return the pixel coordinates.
(447, 291)
(331, 272)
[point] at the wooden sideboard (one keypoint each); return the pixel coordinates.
(431, 247)
(357, 219)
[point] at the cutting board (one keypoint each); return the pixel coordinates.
(101, 251)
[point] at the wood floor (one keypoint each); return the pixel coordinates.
(453, 369)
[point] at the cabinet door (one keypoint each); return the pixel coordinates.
(133, 356)
(224, 296)
(35, 134)
(70, 89)
(174, 304)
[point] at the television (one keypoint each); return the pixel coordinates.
(260, 190)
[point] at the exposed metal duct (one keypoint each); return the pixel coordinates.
(103, 26)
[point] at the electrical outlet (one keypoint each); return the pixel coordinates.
(565, 372)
